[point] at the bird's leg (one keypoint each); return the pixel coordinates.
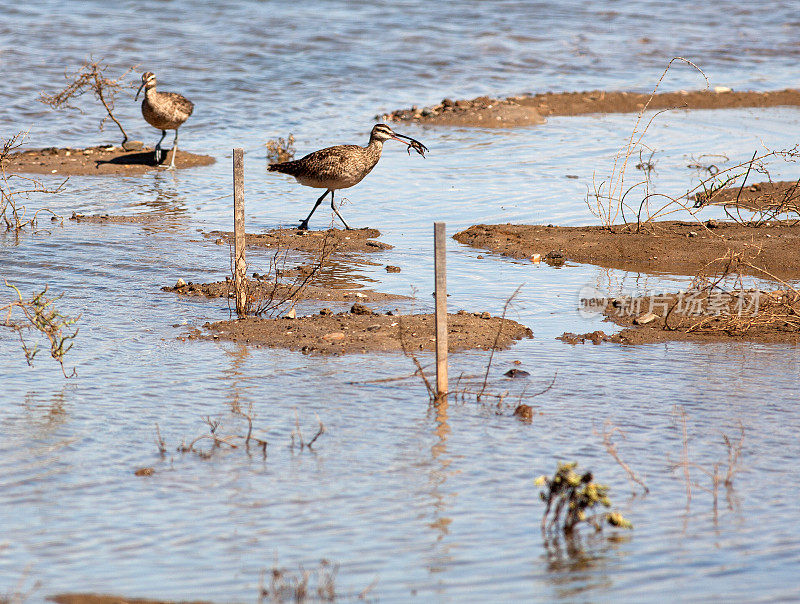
(174, 150)
(157, 150)
(304, 224)
(333, 207)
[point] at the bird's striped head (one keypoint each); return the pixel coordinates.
(148, 82)
(382, 132)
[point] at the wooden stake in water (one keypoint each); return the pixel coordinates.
(440, 274)
(239, 265)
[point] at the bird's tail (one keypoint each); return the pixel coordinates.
(286, 167)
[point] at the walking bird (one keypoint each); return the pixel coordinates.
(163, 110)
(342, 166)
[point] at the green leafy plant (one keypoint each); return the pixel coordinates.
(570, 496)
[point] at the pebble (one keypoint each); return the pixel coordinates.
(516, 373)
(180, 283)
(392, 269)
(333, 336)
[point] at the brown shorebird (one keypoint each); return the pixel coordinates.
(342, 166)
(163, 110)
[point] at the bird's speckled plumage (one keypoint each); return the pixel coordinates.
(342, 166)
(163, 110)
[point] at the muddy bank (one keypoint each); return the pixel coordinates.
(362, 330)
(707, 316)
(529, 109)
(104, 599)
(680, 248)
(101, 160)
(768, 197)
(262, 289)
(327, 241)
(145, 218)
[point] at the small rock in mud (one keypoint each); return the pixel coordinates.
(516, 373)
(145, 472)
(180, 283)
(360, 309)
(595, 337)
(392, 269)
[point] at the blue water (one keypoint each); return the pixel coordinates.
(426, 506)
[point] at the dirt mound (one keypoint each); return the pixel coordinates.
(529, 109)
(708, 316)
(102, 160)
(261, 288)
(766, 197)
(362, 330)
(679, 248)
(330, 240)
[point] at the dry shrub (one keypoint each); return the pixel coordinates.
(609, 200)
(280, 150)
(90, 77)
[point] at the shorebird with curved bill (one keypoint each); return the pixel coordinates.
(342, 166)
(163, 110)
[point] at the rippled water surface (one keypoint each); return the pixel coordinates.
(407, 501)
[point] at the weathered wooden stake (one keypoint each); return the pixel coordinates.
(440, 272)
(239, 266)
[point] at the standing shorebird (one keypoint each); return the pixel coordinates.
(342, 166)
(163, 110)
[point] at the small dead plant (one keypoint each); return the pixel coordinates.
(91, 77)
(277, 290)
(40, 314)
(716, 473)
(14, 188)
(609, 430)
(217, 439)
(280, 150)
(297, 435)
(607, 199)
(570, 496)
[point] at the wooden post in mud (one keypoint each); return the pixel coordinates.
(440, 275)
(239, 264)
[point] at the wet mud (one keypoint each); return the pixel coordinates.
(362, 330)
(672, 247)
(707, 316)
(100, 160)
(328, 241)
(530, 109)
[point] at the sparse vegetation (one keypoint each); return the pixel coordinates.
(570, 496)
(715, 472)
(609, 430)
(280, 150)
(12, 213)
(39, 313)
(90, 77)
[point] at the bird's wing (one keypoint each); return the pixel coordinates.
(332, 162)
(181, 102)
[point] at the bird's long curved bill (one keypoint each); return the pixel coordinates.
(136, 98)
(412, 143)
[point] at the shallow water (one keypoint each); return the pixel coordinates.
(444, 507)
